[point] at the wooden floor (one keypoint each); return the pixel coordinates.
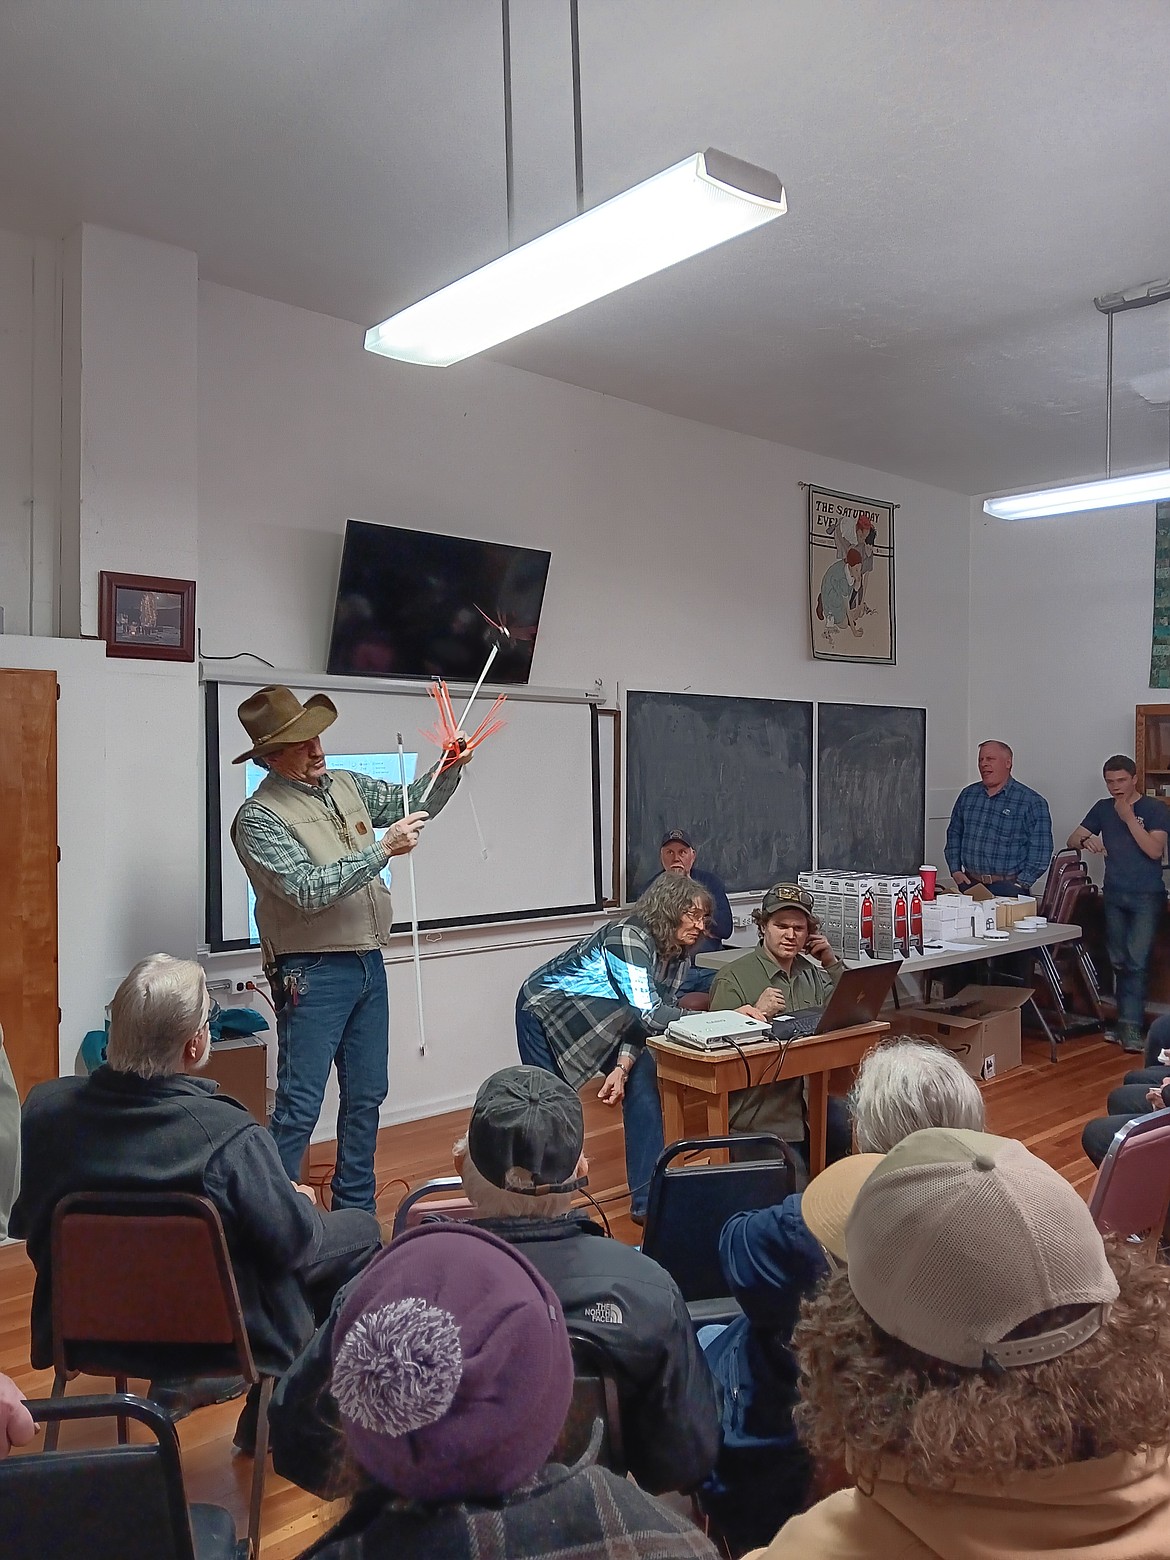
(1042, 1104)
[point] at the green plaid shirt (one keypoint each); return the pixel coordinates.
(272, 854)
(603, 993)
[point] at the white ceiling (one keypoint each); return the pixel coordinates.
(963, 177)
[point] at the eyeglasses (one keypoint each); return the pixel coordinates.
(699, 916)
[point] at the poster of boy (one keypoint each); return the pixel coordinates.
(850, 577)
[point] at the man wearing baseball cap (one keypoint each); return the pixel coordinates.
(793, 968)
(993, 1375)
(677, 854)
(521, 1162)
(306, 840)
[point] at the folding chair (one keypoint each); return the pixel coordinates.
(440, 1198)
(118, 1502)
(688, 1205)
(1073, 888)
(592, 1431)
(1131, 1195)
(143, 1286)
(1064, 862)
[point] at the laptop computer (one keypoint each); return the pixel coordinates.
(857, 999)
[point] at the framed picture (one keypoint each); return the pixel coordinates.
(850, 577)
(147, 618)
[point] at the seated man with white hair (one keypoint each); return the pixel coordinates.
(141, 1124)
(772, 1259)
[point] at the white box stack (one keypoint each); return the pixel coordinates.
(863, 914)
(843, 904)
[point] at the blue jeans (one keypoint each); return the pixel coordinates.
(641, 1108)
(1131, 923)
(335, 1013)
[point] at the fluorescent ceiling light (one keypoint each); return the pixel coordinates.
(1144, 487)
(693, 206)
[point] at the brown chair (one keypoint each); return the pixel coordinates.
(143, 1286)
(592, 1431)
(440, 1198)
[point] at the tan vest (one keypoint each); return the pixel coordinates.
(356, 923)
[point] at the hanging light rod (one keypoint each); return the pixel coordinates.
(1143, 487)
(698, 203)
(1110, 492)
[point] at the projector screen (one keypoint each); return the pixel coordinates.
(532, 786)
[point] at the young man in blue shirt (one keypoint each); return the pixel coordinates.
(1130, 831)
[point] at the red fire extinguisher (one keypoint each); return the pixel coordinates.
(867, 923)
(916, 921)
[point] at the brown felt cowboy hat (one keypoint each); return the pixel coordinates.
(275, 718)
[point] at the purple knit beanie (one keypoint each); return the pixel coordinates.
(451, 1366)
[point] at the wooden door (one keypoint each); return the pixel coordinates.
(28, 874)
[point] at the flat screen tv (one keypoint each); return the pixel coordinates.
(416, 604)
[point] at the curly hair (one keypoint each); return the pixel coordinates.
(867, 1397)
(663, 905)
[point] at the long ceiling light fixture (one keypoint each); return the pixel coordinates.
(1108, 492)
(698, 203)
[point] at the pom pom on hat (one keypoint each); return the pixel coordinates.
(451, 1366)
(398, 1368)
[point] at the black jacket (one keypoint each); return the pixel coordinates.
(630, 1305)
(117, 1132)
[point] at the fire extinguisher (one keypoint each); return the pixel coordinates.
(867, 923)
(901, 924)
(916, 921)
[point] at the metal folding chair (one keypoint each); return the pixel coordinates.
(440, 1198)
(123, 1502)
(142, 1286)
(1131, 1195)
(688, 1205)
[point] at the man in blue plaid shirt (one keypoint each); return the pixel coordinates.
(588, 1012)
(1000, 833)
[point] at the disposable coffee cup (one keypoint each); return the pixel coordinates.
(928, 876)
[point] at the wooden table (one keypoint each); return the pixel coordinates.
(683, 1072)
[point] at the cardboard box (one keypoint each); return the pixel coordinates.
(1007, 911)
(980, 1026)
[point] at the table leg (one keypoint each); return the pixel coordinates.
(671, 1095)
(818, 1113)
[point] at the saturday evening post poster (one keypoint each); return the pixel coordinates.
(850, 577)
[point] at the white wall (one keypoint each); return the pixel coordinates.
(678, 561)
(1060, 646)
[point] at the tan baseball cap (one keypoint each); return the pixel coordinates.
(827, 1200)
(958, 1238)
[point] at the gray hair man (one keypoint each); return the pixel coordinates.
(144, 1123)
(905, 1085)
(306, 839)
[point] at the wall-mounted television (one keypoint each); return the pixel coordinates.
(417, 604)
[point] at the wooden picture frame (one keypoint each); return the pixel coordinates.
(146, 618)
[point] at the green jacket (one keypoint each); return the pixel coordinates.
(808, 985)
(772, 1107)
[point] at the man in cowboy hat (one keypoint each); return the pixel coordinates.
(306, 839)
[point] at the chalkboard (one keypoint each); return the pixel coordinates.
(735, 774)
(871, 788)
